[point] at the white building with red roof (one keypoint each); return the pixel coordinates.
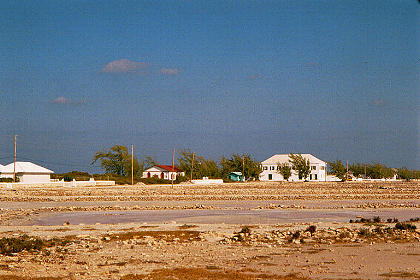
(163, 172)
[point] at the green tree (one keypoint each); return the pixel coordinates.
(149, 162)
(379, 171)
(337, 168)
(251, 167)
(404, 173)
(285, 170)
(202, 167)
(118, 161)
(301, 165)
(357, 169)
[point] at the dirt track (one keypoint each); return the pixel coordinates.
(337, 249)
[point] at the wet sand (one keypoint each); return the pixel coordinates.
(217, 216)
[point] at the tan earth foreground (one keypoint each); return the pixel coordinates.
(231, 231)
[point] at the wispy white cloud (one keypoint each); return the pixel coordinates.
(169, 71)
(378, 102)
(254, 77)
(63, 100)
(123, 66)
(60, 100)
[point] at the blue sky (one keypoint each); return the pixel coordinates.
(337, 79)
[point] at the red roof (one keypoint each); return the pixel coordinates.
(169, 168)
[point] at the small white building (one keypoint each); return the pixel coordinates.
(27, 172)
(163, 172)
(271, 171)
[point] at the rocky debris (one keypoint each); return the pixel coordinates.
(113, 251)
(368, 195)
(281, 206)
(239, 191)
(369, 234)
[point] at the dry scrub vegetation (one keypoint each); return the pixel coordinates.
(201, 273)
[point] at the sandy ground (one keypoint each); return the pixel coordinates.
(230, 231)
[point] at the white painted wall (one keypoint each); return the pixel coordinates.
(34, 178)
(29, 177)
(317, 173)
(166, 174)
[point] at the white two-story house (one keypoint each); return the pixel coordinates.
(270, 168)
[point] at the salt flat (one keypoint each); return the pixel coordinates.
(230, 231)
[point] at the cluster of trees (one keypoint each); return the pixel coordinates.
(117, 161)
(406, 174)
(371, 170)
(202, 167)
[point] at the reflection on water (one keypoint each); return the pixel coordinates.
(219, 216)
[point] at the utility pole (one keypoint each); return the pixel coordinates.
(347, 170)
(326, 164)
(14, 163)
(192, 166)
(132, 165)
(243, 167)
(173, 166)
(365, 170)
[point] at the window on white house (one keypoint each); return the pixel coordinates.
(265, 168)
(313, 167)
(322, 167)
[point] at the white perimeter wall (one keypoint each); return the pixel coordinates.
(61, 184)
(207, 181)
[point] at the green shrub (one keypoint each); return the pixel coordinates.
(364, 232)
(296, 235)
(9, 246)
(154, 180)
(377, 219)
(180, 179)
(6, 180)
(67, 178)
(311, 229)
(13, 245)
(245, 230)
(405, 226)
